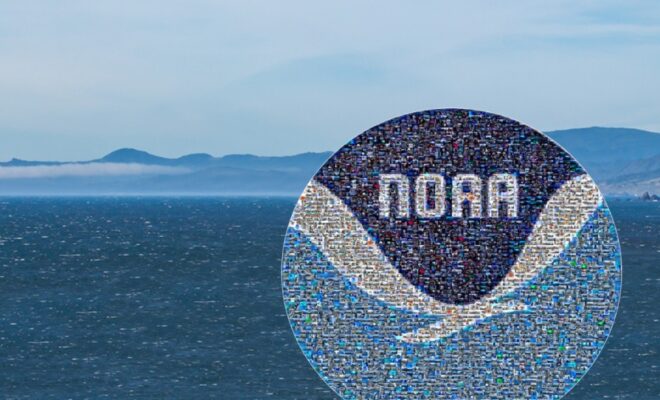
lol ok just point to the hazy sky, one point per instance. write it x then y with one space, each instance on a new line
81 78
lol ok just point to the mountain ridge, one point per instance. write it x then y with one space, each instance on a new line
623 161
132 155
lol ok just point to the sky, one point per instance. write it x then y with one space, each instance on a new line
79 79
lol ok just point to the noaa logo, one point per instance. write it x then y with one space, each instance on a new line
451 254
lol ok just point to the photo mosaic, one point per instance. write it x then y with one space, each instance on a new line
451 254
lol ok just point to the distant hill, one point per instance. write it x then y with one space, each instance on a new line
623 162
597 144
131 171
135 156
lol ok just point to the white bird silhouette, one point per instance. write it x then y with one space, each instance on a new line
332 227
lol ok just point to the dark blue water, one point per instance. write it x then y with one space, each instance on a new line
180 298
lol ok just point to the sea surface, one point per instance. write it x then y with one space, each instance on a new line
179 298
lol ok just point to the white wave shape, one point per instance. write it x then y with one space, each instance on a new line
87 169
332 227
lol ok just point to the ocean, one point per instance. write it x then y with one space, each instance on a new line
180 298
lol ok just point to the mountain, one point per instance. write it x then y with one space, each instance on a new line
597 144
134 156
637 177
623 162
131 171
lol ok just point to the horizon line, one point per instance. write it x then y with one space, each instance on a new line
548 132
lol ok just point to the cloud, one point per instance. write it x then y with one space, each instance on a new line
88 169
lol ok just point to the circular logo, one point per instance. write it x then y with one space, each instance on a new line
451 254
